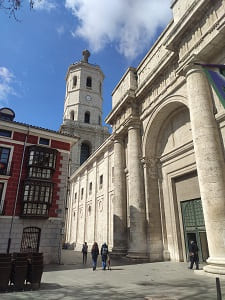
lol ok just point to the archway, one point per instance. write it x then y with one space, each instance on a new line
169 154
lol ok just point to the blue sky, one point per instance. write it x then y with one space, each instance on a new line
36 51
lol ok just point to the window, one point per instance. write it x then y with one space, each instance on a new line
82 193
37 197
90 188
41 163
30 239
72 115
100 87
40 173
100 181
74 81
87 117
89 82
5 133
1 196
84 153
75 197
42 157
99 120
4 160
43 141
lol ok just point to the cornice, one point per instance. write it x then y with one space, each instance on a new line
83 65
126 101
194 12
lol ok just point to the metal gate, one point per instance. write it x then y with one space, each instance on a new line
194 227
30 239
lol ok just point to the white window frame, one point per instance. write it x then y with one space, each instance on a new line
41 137
2 200
10 157
6 137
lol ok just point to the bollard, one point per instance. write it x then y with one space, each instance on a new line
218 289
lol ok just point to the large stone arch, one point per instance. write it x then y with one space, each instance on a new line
167 137
160 114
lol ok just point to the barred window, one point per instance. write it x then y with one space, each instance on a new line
37 197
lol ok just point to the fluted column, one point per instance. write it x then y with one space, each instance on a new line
137 242
210 165
119 203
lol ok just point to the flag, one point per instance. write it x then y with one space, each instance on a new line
216 76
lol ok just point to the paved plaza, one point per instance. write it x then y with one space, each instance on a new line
126 280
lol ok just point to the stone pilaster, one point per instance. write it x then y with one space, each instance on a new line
120 202
210 165
153 214
137 242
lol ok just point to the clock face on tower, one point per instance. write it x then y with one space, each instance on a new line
88 97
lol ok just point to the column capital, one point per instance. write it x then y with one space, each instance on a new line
191 65
152 164
118 138
134 124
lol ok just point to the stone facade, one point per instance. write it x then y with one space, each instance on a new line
167 150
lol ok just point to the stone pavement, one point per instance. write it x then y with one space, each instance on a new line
163 280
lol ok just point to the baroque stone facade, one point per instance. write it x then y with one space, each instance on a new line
159 180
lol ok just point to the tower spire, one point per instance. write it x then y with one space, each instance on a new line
86 54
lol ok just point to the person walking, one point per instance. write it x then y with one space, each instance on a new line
193 252
84 251
104 254
94 255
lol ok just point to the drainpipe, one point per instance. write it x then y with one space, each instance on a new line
17 190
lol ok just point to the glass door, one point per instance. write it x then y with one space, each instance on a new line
194 227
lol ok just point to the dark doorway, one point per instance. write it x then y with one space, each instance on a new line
194 227
30 239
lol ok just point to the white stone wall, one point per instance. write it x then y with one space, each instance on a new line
91 215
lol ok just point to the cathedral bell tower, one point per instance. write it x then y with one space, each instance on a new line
83 109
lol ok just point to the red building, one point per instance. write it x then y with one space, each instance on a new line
33 187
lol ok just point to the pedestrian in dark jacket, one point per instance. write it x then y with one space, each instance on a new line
84 251
94 254
193 252
104 254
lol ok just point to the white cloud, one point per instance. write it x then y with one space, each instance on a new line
6 81
131 24
45 5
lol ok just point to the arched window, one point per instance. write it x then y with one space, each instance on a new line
87 117
72 115
85 152
89 82
74 81
99 120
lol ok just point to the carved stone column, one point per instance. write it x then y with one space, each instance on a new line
137 242
210 165
120 202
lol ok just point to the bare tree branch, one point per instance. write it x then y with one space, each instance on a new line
12 6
